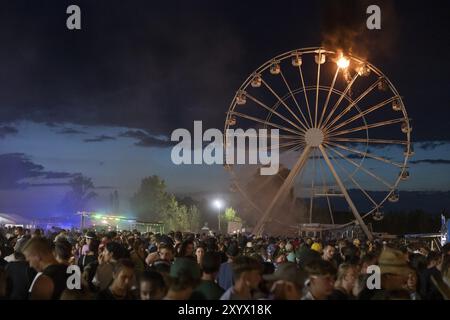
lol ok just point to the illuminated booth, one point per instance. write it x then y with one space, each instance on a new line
111 222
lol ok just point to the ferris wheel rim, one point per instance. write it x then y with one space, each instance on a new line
373 68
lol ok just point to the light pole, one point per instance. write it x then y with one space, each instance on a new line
218 204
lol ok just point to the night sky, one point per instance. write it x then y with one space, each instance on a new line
103 101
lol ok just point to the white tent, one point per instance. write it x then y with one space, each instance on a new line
9 218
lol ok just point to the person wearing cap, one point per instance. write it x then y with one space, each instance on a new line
185 276
394 270
247 276
290 254
287 282
249 250
316 246
225 275
88 236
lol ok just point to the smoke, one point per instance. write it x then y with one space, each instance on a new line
343 27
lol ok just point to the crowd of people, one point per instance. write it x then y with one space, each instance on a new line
129 265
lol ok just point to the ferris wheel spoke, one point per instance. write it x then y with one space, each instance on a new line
289 136
279 146
283 189
362 114
317 90
311 200
281 100
346 195
328 96
243 115
369 126
295 101
352 104
343 94
350 175
276 113
322 170
375 141
373 175
366 154
304 93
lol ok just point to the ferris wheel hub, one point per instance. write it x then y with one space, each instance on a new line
314 137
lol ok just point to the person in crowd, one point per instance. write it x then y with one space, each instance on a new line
178 237
328 253
287 283
3 285
21 238
200 253
165 252
186 248
90 256
247 276
151 286
51 277
369 259
321 278
412 285
89 236
63 251
394 270
19 277
185 276
138 255
208 287
120 288
347 275
104 274
429 291
225 275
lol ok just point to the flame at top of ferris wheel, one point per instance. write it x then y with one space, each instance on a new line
343 62
340 121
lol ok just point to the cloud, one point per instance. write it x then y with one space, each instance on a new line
70 131
431 161
99 138
145 139
431 145
18 167
56 184
7 130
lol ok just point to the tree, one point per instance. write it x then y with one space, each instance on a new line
231 215
79 195
153 202
151 199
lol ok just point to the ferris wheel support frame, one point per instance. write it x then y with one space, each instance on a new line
259 228
346 195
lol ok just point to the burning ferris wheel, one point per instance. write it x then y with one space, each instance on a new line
344 134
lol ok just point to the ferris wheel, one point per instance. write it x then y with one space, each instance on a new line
344 134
